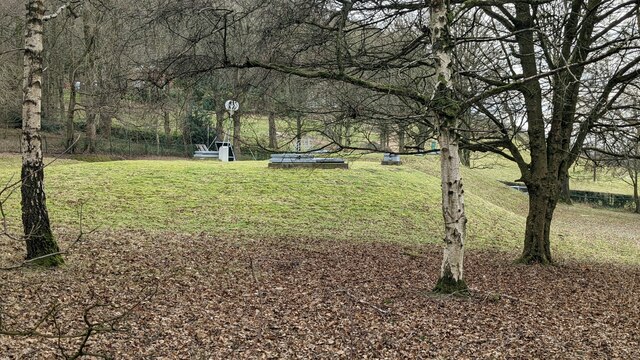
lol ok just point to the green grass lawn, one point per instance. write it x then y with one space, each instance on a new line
368 202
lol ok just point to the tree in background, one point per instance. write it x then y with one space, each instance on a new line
619 150
629 163
11 62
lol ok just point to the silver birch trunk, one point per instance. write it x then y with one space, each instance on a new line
35 219
447 118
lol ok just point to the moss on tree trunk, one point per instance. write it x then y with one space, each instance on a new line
447 284
35 218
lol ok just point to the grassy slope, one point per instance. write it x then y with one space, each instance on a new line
368 202
579 230
255 128
581 178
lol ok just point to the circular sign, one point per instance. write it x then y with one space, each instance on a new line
231 106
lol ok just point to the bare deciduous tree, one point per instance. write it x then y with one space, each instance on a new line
568 63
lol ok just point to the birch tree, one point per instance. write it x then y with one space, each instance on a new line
447 113
35 218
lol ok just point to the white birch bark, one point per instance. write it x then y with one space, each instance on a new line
32 84
35 219
446 111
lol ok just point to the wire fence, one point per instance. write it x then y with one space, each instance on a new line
601 199
54 144
132 147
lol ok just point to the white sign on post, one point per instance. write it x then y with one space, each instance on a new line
231 106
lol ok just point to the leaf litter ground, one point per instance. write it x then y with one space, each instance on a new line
203 297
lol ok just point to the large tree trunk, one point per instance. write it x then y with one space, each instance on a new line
273 141
35 218
451 273
541 174
536 239
565 190
447 112
401 140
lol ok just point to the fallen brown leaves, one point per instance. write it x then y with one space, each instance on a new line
300 298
